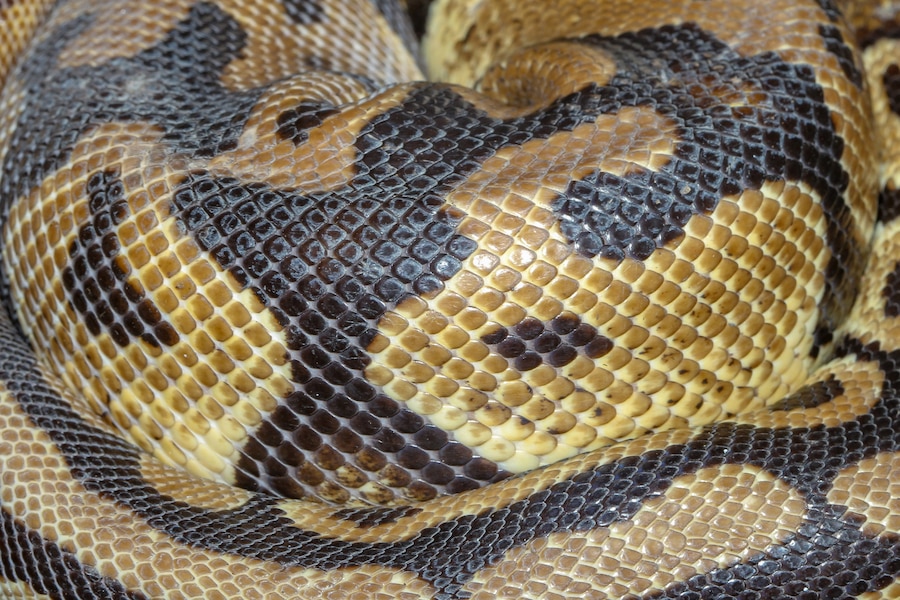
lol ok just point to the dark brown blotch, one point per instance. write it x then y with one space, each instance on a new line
891 292
97 287
834 43
373 517
812 395
328 458
50 570
304 12
891 79
294 124
888 204
531 343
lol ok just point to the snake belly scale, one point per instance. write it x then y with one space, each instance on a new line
608 308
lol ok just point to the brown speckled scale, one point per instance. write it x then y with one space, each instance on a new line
609 307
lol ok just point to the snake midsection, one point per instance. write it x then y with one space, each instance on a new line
619 301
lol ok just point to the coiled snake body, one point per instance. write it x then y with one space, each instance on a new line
612 313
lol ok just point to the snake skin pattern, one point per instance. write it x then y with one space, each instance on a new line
609 308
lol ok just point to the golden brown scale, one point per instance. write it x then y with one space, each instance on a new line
729 352
690 424
20 20
197 405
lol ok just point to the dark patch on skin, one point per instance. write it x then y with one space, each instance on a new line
832 11
884 30
811 396
328 267
834 43
822 337
304 12
724 147
830 557
888 204
98 288
726 142
450 553
418 14
891 79
368 517
891 293
532 343
29 558
294 124
174 85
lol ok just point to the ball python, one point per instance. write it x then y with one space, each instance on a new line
606 307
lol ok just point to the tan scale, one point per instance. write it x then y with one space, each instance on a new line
722 319
711 518
271 31
871 490
868 321
191 490
862 383
20 21
16 590
531 76
261 156
742 511
110 539
194 405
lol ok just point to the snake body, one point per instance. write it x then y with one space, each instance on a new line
609 308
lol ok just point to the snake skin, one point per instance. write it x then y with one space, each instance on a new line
608 308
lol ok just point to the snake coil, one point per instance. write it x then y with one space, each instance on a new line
609 308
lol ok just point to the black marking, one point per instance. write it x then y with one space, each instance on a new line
884 30
832 11
449 554
294 124
328 267
888 204
174 85
97 286
829 557
811 396
304 12
891 293
418 14
725 145
368 517
532 343
834 43
822 337
891 79
30 558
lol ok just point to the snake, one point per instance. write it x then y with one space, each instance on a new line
527 299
